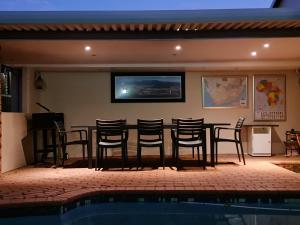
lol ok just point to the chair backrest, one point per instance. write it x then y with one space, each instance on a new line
191 129
174 120
59 125
110 129
240 122
60 128
150 128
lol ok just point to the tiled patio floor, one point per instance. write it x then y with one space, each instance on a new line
33 185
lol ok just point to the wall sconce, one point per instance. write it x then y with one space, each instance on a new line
39 82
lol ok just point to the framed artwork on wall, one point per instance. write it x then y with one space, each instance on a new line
224 91
148 87
269 97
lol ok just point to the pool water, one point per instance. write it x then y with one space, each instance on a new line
183 213
295 167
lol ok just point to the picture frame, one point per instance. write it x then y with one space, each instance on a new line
224 91
269 97
147 87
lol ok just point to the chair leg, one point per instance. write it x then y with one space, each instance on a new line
198 153
177 156
204 157
138 157
216 148
97 158
242 151
105 153
83 151
126 152
123 157
101 164
54 156
193 152
162 156
64 152
173 151
237 150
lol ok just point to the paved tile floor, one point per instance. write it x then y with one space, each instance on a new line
32 185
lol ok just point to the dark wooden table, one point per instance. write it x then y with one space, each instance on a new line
210 126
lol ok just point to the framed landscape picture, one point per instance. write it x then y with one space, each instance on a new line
224 92
269 97
148 87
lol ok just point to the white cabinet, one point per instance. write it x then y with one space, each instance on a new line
259 141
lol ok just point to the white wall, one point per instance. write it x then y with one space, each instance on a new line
14 129
85 96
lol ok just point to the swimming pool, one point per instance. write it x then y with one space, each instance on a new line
168 213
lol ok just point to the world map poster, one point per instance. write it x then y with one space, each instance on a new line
269 97
224 91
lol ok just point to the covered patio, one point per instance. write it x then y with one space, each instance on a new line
77 83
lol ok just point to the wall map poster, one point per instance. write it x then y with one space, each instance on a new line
269 97
224 91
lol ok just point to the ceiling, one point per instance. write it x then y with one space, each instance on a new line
284 53
210 39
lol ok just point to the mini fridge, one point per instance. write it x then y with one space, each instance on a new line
259 141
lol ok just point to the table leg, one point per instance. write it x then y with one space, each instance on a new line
35 149
212 145
53 136
90 147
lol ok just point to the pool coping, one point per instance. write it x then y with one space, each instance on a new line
71 200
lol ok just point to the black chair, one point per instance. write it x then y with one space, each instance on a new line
236 138
64 139
150 134
190 133
173 135
111 134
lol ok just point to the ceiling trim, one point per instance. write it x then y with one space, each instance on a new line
137 35
229 65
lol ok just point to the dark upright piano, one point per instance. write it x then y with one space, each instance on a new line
44 122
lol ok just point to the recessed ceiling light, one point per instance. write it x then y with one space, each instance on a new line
178 47
87 48
178 29
186 29
266 45
254 53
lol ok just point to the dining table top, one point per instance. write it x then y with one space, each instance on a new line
166 125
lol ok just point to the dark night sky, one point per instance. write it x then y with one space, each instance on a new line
69 5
